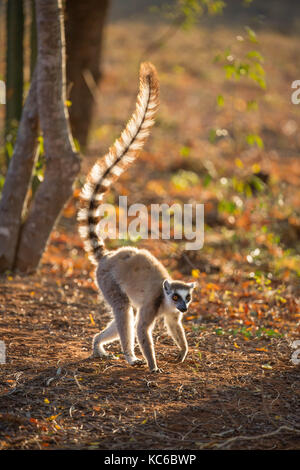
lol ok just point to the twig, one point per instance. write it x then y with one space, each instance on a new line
72 408
258 436
92 85
165 429
160 436
78 384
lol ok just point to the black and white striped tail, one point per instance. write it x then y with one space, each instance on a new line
122 153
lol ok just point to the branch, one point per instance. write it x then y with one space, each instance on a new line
258 436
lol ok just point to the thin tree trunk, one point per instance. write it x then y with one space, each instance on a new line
84 36
14 68
62 162
18 179
33 38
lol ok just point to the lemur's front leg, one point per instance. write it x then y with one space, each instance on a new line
174 326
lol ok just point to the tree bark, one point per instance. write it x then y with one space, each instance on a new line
84 36
33 38
14 68
18 179
62 161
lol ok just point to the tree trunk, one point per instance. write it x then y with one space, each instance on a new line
14 68
84 35
33 38
62 162
18 180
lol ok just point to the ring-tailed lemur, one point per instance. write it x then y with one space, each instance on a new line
130 277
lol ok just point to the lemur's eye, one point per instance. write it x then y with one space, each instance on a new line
175 297
188 298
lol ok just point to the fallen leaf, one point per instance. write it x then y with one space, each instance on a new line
51 418
195 273
213 286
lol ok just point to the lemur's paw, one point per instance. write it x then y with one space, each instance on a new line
109 356
181 356
134 361
137 362
98 355
156 370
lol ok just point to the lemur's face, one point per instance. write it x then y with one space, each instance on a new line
179 294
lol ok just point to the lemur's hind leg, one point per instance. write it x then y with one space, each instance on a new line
124 318
106 336
123 323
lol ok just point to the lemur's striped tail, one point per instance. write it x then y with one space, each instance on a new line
122 153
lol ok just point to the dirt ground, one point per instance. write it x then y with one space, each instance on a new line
229 394
238 388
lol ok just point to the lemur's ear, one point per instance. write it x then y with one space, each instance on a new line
166 286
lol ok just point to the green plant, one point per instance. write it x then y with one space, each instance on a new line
240 61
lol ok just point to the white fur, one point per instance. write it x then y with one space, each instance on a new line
96 172
117 170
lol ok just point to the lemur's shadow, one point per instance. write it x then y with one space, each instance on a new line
56 375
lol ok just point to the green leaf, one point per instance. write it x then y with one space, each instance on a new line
227 206
257 183
2 180
219 331
220 101
255 55
251 34
215 7
252 105
230 71
254 139
259 69
41 145
9 148
207 179
184 179
242 70
185 151
217 58
76 144
212 136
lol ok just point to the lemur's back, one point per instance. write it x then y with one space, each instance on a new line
134 270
